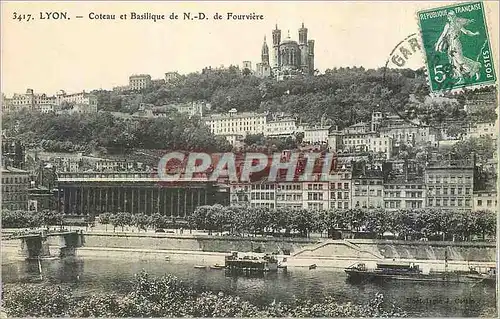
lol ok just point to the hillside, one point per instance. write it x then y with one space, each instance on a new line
341 97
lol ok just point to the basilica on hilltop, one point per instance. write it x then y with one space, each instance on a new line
289 57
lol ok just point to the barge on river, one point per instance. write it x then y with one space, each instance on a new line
489 276
405 272
251 263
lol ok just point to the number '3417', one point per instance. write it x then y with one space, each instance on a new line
22 16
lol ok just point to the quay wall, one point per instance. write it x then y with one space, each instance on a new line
403 250
299 249
195 243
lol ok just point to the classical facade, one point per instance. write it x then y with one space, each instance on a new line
93 193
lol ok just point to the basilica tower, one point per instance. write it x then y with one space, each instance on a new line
310 46
265 53
276 47
304 51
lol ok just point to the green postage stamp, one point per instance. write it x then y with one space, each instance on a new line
457 47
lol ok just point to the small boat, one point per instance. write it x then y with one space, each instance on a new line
217 267
283 264
200 267
313 266
167 258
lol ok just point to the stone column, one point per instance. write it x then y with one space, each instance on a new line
112 199
106 205
81 200
178 202
59 199
100 200
124 194
158 200
192 200
171 201
152 202
88 201
132 202
185 202
165 201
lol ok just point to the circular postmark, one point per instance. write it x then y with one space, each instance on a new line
407 54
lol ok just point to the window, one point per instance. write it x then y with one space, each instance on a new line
479 202
489 202
346 185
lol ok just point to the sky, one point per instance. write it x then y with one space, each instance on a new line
84 54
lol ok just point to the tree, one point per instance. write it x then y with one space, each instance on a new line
483 147
377 221
121 220
485 223
51 218
456 130
141 221
303 221
105 219
246 72
157 221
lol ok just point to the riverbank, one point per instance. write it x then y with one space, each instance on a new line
9 253
300 252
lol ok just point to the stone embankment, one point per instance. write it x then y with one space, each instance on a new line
299 252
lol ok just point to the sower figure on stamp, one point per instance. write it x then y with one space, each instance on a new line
449 42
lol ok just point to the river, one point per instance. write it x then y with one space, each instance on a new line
115 274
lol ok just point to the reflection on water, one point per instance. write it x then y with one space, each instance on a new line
418 299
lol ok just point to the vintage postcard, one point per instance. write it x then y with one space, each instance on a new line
249 159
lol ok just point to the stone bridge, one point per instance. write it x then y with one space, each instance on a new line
35 245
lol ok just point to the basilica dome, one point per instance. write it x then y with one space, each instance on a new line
289 41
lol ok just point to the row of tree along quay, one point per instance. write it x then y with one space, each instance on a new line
431 224
167 296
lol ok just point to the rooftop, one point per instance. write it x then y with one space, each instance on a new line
234 115
10 169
